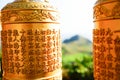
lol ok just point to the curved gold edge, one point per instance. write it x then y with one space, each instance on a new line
30 9
42 76
105 19
28 5
29 22
105 2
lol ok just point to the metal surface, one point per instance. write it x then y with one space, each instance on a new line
31 44
106 40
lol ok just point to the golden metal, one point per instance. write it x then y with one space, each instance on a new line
31 44
106 40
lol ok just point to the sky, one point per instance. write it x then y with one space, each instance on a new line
76 16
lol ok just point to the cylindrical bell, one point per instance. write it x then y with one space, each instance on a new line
106 40
31 44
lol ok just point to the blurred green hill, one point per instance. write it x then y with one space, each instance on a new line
77 59
76 44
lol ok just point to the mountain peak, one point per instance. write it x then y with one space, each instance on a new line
73 38
77 44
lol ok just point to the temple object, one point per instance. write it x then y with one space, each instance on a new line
106 40
31 43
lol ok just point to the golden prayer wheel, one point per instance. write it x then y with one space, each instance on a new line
31 44
106 40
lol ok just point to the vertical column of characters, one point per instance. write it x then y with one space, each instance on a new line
10 55
16 46
110 54
117 54
23 51
38 53
31 51
99 53
5 62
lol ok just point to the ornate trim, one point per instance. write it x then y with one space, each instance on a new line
28 5
36 15
104 1
103 12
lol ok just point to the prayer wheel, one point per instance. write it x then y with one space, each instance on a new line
106 40
31 44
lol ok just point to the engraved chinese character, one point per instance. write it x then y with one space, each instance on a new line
30 45
15 39
102 64
45 69
23 32
43 32
10 52
109 57
109 40
24 71
11 70
23 50
37 52
109 32
101 39
16 45
4 39
31 52
15 33
102 32
110 65
49 38
23 38
102 48
96 39
37 39
49 44
17 58
43 38
31 59
117 66
10 39
9 32
110 75
4 33
49 31
18 70
37 45
37 32
17 64
103 73
10 45
11 58
30 38
30 32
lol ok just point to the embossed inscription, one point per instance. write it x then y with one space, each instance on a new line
107 53
31 51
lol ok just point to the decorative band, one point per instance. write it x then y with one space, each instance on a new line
37 15
107 11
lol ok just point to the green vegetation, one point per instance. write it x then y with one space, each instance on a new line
78 67
77 59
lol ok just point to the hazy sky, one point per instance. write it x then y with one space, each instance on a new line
76 16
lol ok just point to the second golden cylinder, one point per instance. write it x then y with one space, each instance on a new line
107 40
